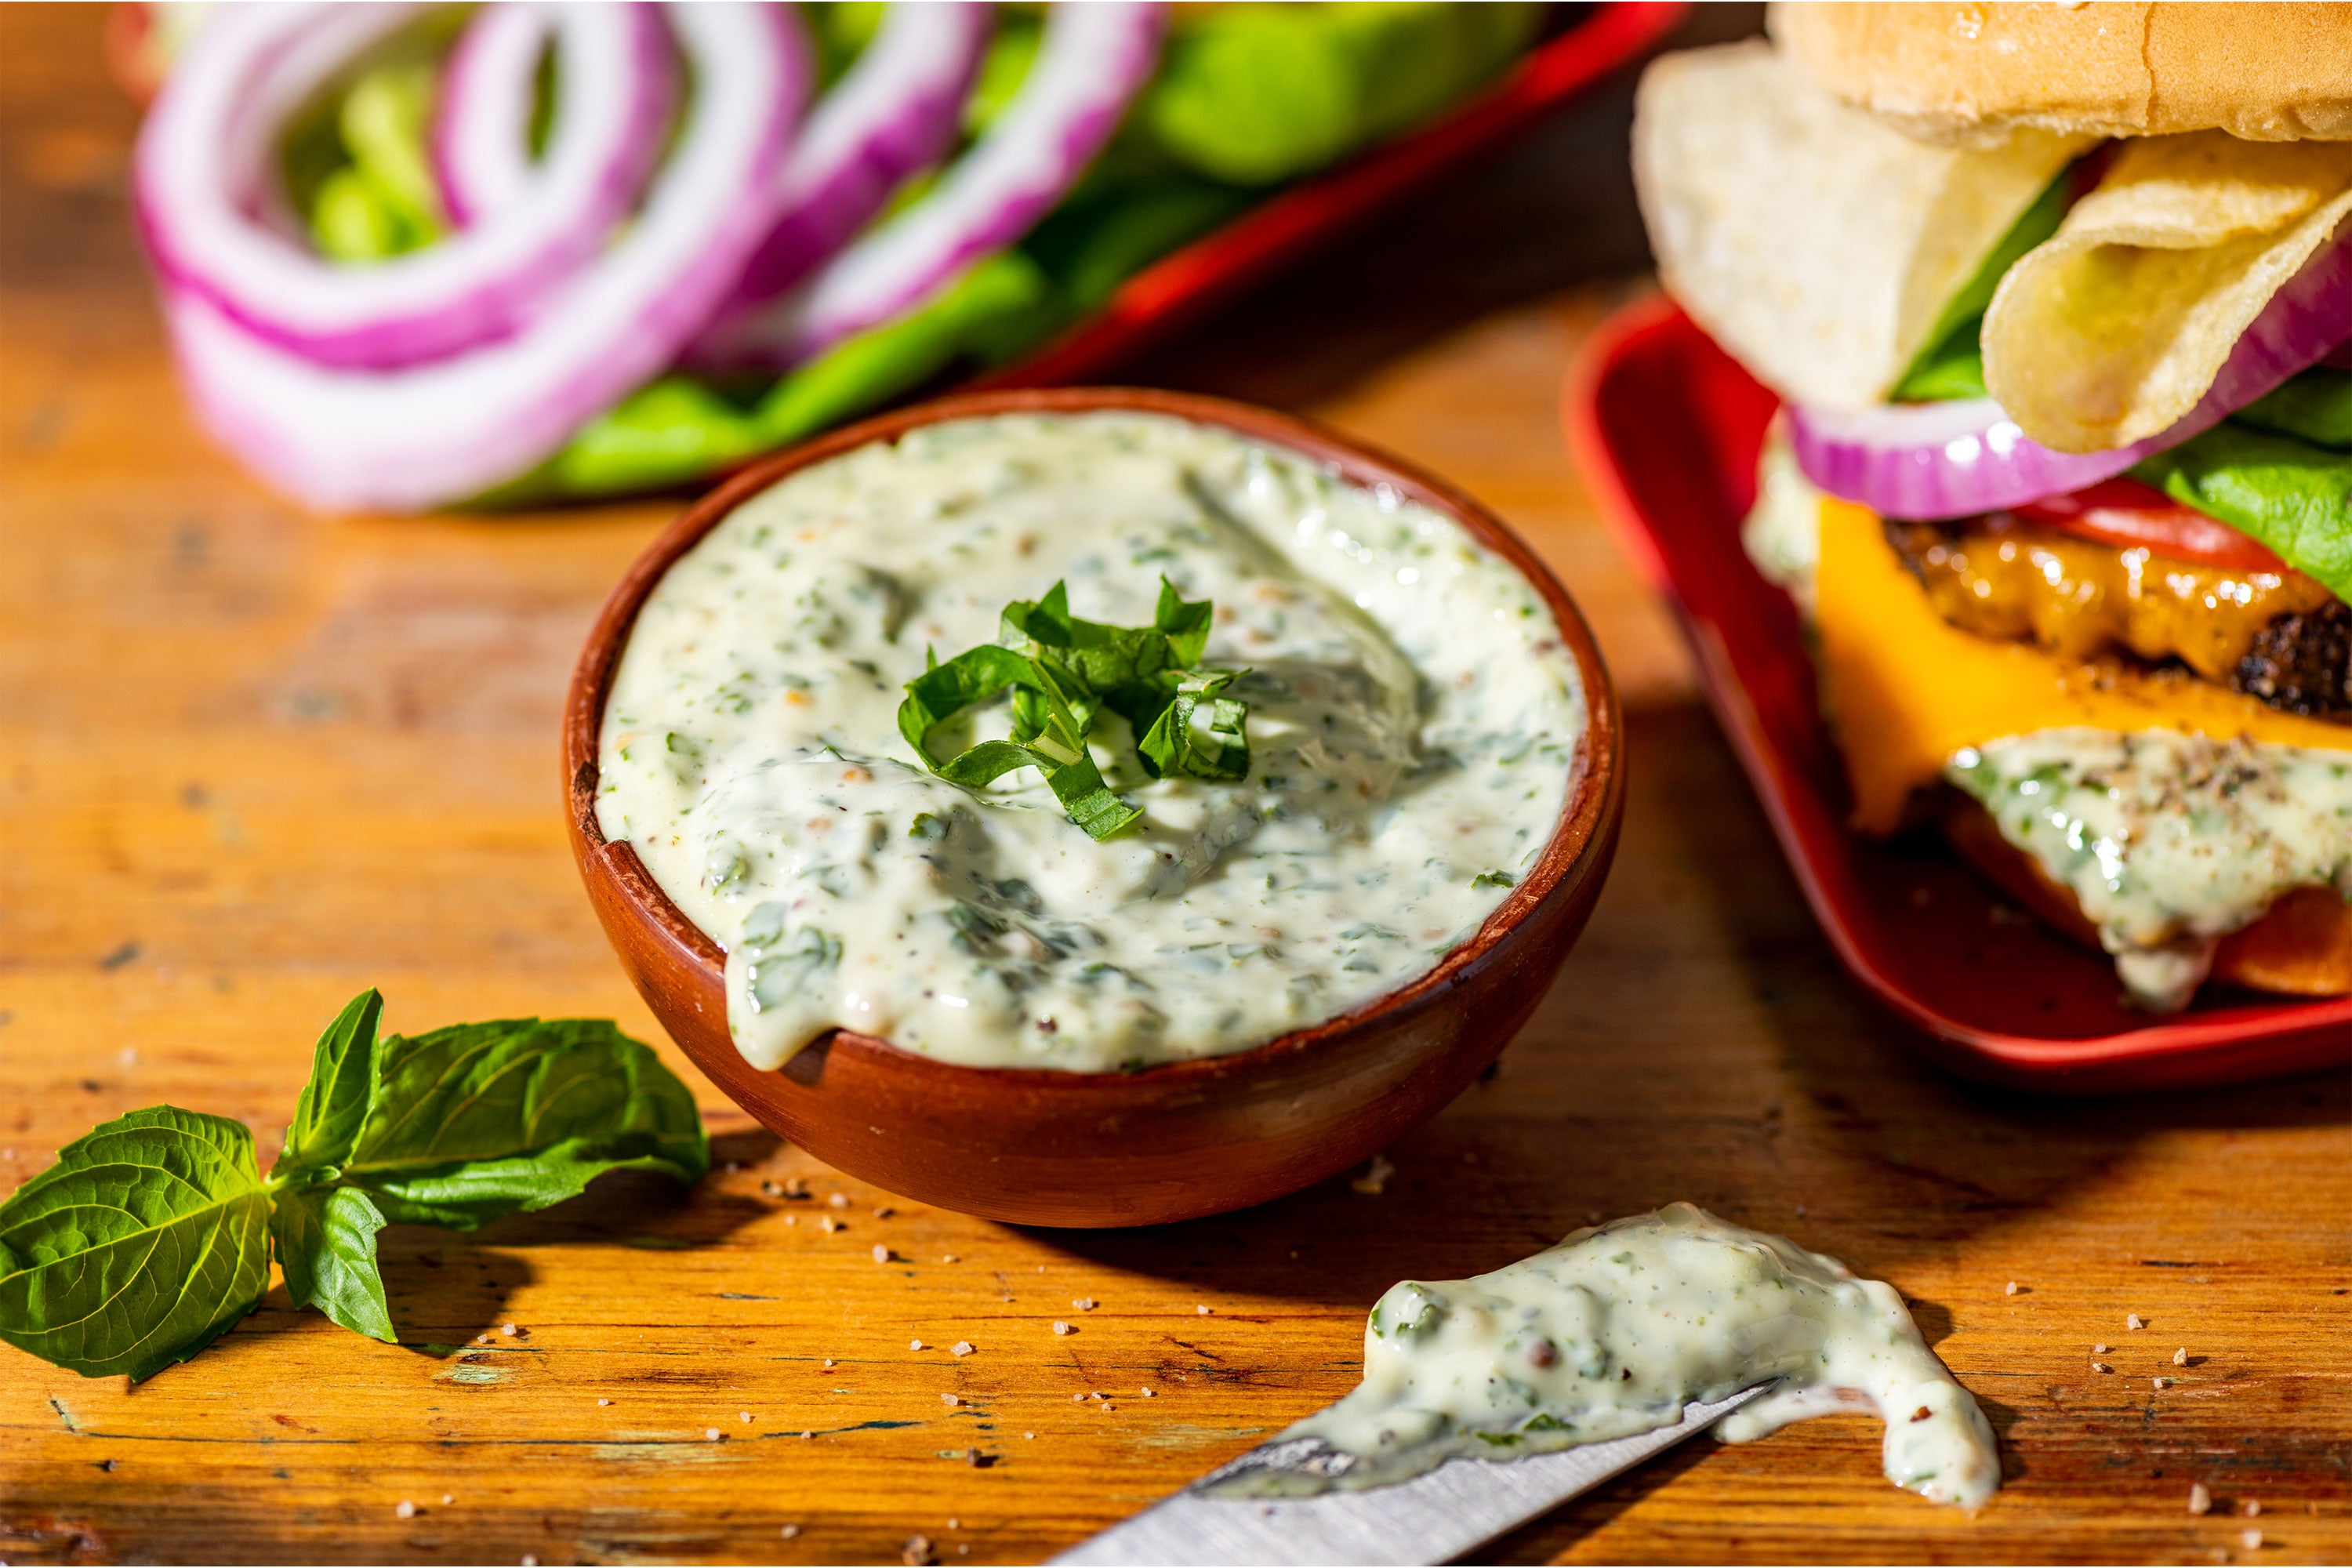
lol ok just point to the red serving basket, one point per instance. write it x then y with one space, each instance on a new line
1664 428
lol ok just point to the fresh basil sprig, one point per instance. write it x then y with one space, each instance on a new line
152 1236
1063 671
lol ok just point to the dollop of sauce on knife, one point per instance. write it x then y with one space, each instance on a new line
1612 1333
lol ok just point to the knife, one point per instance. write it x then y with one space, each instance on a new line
1433 1517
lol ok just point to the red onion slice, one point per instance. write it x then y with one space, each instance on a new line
1929 460
206 156
436 433
1094 58
481 126
898 110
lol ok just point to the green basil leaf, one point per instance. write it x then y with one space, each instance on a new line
1184 623
481 1120
2294 497
1202 733
1088 802
988 761
336 1100
326 1243
1093 656
943 690
146 1240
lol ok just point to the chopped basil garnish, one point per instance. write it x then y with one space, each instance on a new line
1062 672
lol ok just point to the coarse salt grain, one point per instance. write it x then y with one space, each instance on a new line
710 1434
446 1500
948 1399
881 1255
743 1416
509 1329
808 1434
1202 1310
950 1257
529 1561
790 1531
1061 1327
604 1402
914 1344
2098 1350
2134 1321
2252 1508
826 1223
1031 1435
828 1362
1083 1303
2100 1366
2199 1499
2180 1356
2010 1289
2161 1382
405 1508
839 1200
2252 1540
1147 1393
962 1347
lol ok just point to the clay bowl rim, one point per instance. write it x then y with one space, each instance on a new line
1595 799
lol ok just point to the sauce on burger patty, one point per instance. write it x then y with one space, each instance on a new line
2169 842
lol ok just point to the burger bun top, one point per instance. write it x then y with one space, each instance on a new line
1971 73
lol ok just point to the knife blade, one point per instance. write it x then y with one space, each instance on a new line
1434 1517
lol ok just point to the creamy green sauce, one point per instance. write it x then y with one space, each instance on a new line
1414 725
2170 841
1613 1332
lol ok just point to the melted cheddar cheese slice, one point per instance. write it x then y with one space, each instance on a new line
1904 689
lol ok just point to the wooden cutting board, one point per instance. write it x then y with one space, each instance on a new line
254 761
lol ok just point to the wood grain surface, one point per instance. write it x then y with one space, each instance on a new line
254 760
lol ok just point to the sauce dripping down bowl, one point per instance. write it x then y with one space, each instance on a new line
1167 1142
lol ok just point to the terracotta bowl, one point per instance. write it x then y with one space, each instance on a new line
1169 1143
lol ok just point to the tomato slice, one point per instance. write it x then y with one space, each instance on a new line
2129 514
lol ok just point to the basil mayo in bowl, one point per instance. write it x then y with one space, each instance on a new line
1413 732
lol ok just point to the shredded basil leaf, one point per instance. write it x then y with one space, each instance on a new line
1061 673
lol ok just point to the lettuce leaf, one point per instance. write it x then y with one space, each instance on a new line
2315 407
2294 497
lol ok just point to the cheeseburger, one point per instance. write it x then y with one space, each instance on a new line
2056 298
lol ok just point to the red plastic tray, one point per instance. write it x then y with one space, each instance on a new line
1664 428
1187 284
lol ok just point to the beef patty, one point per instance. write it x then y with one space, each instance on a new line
2278 636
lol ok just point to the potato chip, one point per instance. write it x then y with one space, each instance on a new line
1806 238
2112 331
